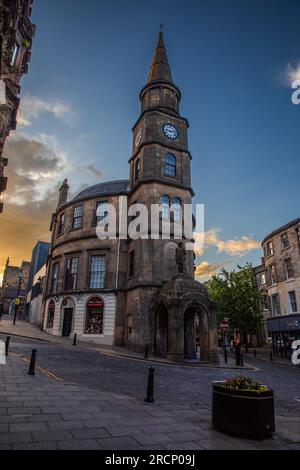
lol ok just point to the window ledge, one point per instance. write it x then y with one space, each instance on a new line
290 279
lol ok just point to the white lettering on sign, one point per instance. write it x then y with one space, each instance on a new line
296 353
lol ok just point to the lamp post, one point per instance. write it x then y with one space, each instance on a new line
17 300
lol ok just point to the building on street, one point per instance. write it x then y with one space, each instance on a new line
280 279
15 280
16 34
131 292
33 307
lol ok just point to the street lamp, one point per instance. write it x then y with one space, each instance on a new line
17 300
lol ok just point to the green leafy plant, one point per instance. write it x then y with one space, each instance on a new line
244 383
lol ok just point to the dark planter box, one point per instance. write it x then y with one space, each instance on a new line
243 412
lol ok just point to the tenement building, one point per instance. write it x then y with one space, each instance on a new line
138 292
16 33
281 277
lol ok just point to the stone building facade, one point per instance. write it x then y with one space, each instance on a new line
132 291
10 283
280 279
16 34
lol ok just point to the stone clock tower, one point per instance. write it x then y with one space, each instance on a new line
159 174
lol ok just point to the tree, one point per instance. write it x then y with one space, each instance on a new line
238 299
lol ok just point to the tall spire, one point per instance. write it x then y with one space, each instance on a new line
160 69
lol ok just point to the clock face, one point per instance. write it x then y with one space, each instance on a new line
138 137
170 131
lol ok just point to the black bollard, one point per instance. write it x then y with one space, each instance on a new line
75 339
32 362
146 352
7 345
271 356
255 352
225 355
149 398
242 360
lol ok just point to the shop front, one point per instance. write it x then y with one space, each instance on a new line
283 329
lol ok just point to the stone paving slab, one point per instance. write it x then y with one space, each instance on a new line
109 421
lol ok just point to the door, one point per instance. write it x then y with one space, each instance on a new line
67 325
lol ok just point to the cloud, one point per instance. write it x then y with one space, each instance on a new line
33 165
205 269
34 175
290 74
32 107
237 247
93 170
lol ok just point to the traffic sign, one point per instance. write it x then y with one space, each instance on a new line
224 325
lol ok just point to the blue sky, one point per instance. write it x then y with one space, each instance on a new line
230 60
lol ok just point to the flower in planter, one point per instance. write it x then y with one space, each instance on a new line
244 383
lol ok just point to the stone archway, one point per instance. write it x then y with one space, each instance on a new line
161 331
196 334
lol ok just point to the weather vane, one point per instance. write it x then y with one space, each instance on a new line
161 27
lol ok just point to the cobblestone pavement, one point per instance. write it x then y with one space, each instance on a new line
99 403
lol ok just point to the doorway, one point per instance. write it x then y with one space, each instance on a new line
67 324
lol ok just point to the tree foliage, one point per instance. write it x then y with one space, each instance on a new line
238 299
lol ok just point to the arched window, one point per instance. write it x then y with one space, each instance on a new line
94 316
170 165
176 207
51 311
165 206
137 169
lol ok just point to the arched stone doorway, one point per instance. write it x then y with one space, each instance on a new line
161 331
196 334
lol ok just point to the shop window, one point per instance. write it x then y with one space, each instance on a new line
94 316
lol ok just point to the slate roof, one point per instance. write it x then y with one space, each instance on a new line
104 189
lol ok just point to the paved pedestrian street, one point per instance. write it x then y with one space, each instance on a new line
84 398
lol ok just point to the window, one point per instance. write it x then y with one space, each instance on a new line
262 279
54 278
289 269
272 275
94 317
15 55
51 311
270 249
276 304
97 271
71 274
101 210
131 267
170 165
177 209
292 302
165 206
77 217
61 224
285 240
137 169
